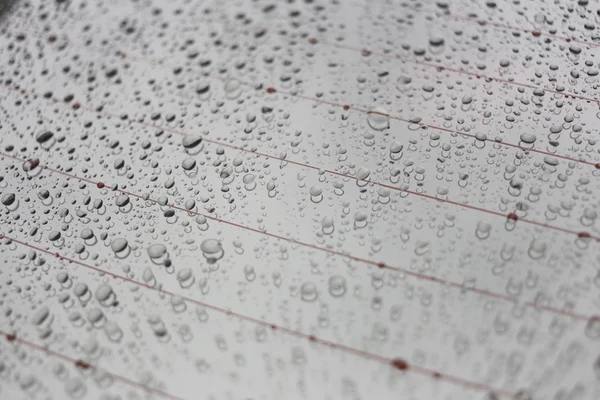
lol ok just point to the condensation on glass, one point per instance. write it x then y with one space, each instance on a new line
300 199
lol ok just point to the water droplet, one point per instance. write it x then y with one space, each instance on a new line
537 249
327 225
212 250
233 89
378 119
185 277
120 247
157 251
360 219
192 144
45 139
105 295
316 194
40 315
337 286
396 147
308 291
249 272
249 182
8 199
483 230
188 164
122 200
528 138
592 328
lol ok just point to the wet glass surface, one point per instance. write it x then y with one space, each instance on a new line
307 199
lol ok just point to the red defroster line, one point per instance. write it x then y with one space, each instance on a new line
480 21
80 363
439 128
312 338
381 265
441 68
163 62
582 235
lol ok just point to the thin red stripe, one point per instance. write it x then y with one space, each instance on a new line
162 62
426 196
79 363
361 353
442 129
441 67
413 274
488 22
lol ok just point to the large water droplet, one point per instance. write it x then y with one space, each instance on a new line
378 119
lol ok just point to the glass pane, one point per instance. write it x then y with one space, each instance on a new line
302 199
